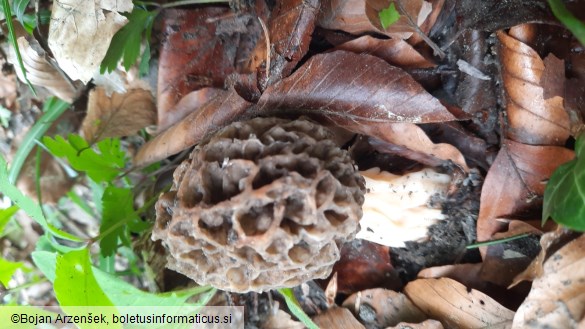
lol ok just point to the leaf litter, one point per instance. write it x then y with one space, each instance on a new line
388 88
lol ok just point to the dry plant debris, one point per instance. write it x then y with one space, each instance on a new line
263 204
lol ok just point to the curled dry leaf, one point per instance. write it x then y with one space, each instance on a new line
80 33
389 308
557 298
213 115
523 168
534 94
40 71
455 305
117 115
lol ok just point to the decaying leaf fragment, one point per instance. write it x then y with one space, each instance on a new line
117 115
557 298
455 305
80 33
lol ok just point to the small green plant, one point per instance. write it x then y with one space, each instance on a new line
564 196
389 16
66 259
568 19
295 308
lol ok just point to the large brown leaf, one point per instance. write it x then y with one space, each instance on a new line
456 306
534 94
353 88
514 184
213 115
365 95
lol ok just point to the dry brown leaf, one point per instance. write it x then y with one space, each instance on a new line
189 103
337 317
557 298
534 94
354 89
456 306
117 115
389 308
514 184
361 16
80 33
42 72
213 115
394 51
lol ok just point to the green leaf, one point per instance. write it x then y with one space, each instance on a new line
118 291
53 108
100 167
126 42
46 262
75 283
564 196
389 16
124 294
295 308
118 210
7 269
31 208
6 216
19 7
571 22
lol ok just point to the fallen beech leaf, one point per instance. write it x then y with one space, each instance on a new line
534 94
117 115
189 103
455 306
523 168
389 308
80 34
394 51
291 27
557 298
469 276
213 115
197 52
361 16
337 317
353 89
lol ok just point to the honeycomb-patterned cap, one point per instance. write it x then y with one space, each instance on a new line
262 204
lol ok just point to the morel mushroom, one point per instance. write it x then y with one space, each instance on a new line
261 204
